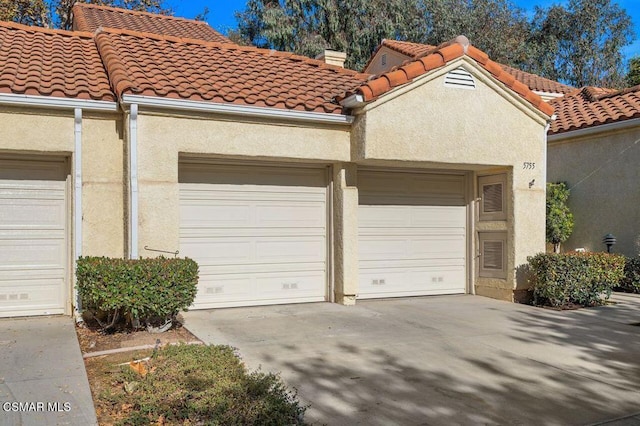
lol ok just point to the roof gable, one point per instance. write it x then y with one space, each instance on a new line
534 82
433 58
89 17
42 62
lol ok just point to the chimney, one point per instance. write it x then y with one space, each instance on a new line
332 57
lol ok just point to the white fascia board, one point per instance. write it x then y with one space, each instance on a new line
619 125
242 110
13 99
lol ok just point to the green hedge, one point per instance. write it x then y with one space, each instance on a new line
566 279
147 290
631 280
200 385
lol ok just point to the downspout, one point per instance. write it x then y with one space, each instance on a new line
77 197
133 182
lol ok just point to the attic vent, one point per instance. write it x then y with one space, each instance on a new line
383 60
459 78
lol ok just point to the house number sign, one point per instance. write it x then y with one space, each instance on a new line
528 166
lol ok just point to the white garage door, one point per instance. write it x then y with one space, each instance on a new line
412 234
33 238
259 234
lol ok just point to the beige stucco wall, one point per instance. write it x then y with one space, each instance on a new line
103 188
602 172
162 139
489 128
393 59
25 130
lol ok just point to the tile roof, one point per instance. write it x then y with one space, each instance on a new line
593 106
37 61
437 57
153 65
534 82
89 17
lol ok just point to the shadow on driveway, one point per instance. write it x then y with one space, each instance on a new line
442 360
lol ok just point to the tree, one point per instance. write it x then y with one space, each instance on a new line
582 43
27 12
307 27
559 221
633 76
497 27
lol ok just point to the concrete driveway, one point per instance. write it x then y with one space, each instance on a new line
443 360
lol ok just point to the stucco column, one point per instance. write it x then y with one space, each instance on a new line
345 231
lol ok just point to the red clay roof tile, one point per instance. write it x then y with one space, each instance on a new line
166 66
593 106
37 61
534 82
435 57
90 17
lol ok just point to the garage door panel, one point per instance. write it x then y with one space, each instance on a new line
260 241
39 295
433 247
412 234
31 254
411 281
245 289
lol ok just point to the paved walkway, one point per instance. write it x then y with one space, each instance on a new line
444 360
42 375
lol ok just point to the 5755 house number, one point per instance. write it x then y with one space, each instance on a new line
528 166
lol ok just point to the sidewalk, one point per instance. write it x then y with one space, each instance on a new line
42 375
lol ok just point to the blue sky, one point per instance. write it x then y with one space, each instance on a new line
221 13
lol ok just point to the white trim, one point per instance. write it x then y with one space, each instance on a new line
353 101
54 102
552 95
618 125
77 196
244 110
133 182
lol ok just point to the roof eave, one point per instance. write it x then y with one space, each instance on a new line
592 130
235 109
13 99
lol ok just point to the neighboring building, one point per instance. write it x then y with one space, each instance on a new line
288 180
594 146
392 53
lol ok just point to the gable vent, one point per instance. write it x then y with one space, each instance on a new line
459 78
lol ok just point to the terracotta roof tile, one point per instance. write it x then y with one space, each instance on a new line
154 65
432 58
593 106
37 61
534 82
89 17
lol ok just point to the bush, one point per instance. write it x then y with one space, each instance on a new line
574 278
631 280
150 290
197 384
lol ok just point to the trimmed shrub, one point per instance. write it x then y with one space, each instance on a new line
585 279
631 280
149 290
197 384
